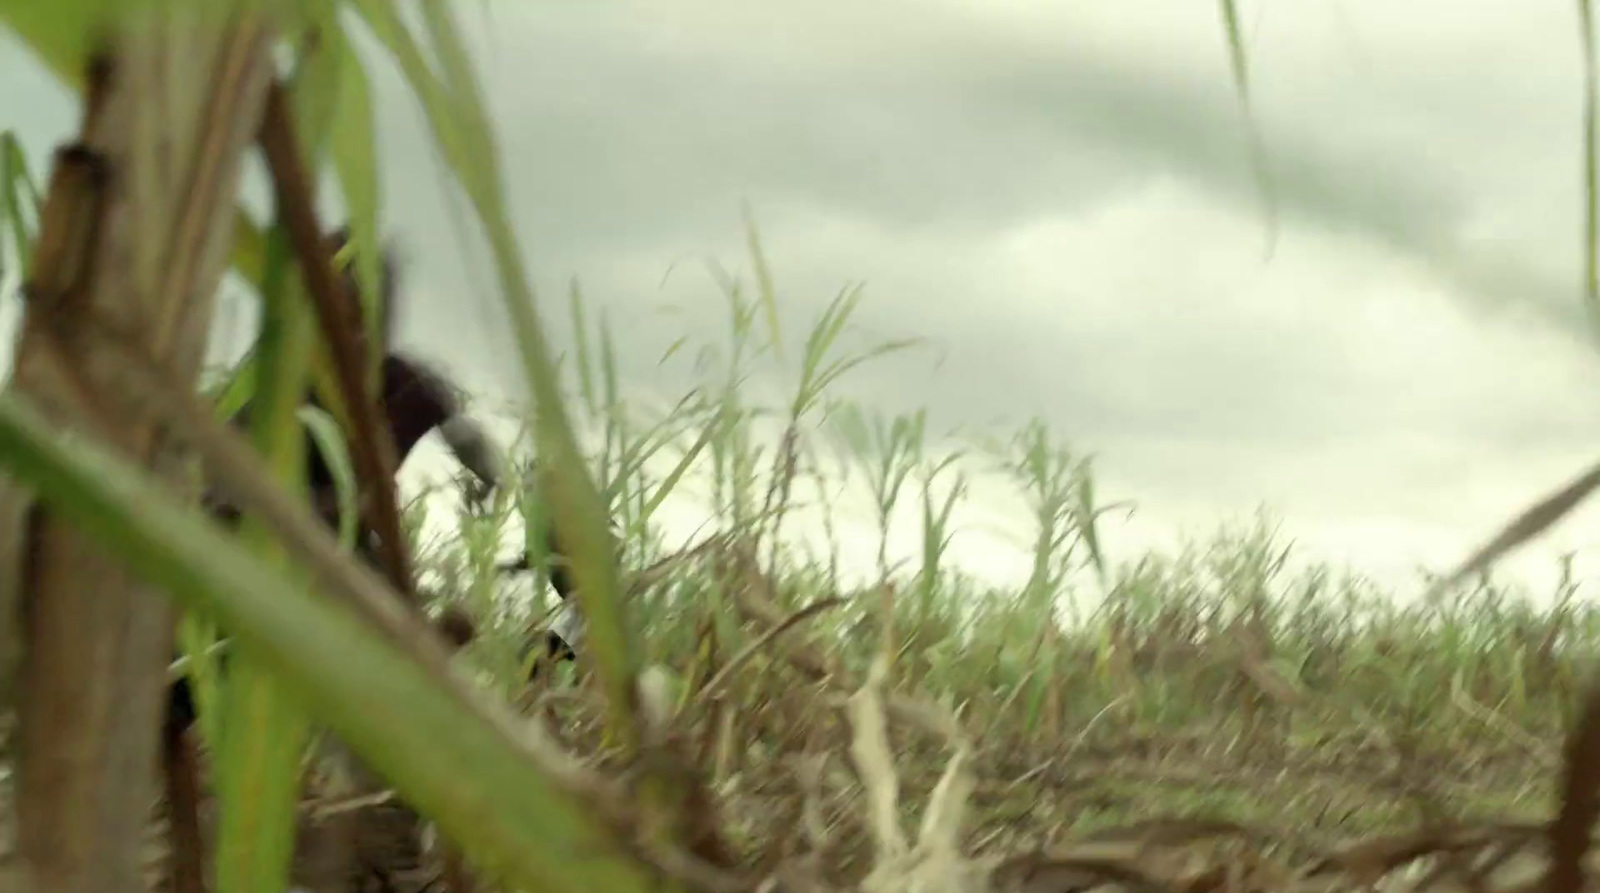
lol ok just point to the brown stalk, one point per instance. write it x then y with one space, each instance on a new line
134 236
186 841
371 446
237 469
1569 833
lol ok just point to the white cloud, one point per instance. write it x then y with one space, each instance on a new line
1059 197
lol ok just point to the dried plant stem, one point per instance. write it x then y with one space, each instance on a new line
371 446
135 236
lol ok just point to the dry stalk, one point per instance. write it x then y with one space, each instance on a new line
134 236
869 748
935 864
371 446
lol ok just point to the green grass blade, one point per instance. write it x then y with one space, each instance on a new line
19 199
675 477
237 389
1239 64
580 336
265 730
1591 164
456 117
335 453
764 287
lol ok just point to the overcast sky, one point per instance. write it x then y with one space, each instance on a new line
1059 196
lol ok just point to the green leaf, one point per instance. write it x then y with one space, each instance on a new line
264 731
335 453
674 477
19 198
237 389
1591 159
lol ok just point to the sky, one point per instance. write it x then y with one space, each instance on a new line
1060 199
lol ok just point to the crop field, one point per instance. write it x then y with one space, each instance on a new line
741 714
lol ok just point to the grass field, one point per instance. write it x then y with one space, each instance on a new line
1224 682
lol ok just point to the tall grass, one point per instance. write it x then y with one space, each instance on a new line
1229 636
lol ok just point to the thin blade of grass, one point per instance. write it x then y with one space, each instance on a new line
458 122
1591 164
336 455
764 287
263 731
19 199
1240 66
